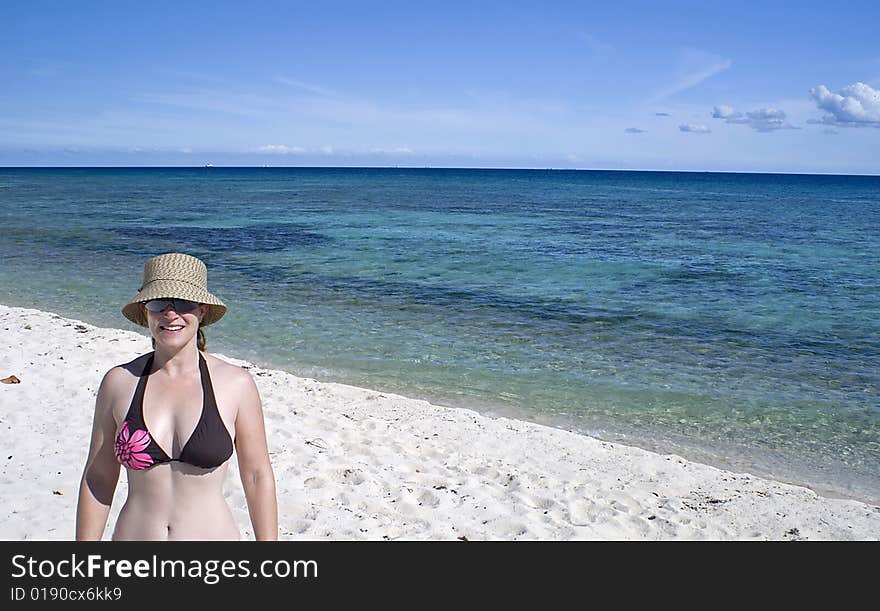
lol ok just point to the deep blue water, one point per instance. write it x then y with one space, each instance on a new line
732 318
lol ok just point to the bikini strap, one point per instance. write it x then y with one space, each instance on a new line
138 398
207 387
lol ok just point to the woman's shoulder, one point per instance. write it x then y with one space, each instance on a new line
232 381
121 378
226 370
133 368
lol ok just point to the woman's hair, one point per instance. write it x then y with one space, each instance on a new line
201 340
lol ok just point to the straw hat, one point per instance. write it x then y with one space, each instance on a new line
174 276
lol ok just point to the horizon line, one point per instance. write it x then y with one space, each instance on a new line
420 167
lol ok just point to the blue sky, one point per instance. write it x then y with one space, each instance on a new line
768 87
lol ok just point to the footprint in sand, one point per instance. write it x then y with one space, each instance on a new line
582 512
348 476
313 483
302 526
428 498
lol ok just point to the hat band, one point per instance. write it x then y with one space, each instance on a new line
198 286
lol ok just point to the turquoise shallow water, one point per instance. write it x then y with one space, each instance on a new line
732 318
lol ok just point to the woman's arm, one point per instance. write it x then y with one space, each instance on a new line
101 472
257 476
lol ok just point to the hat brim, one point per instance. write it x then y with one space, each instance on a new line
173 289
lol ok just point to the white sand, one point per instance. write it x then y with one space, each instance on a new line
352 463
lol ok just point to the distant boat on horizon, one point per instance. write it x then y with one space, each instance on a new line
209 165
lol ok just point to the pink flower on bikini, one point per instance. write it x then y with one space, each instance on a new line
130 448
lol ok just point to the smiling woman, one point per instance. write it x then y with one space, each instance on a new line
176 440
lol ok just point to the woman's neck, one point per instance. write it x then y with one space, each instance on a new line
182 362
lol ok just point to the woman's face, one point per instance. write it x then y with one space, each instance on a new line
172 329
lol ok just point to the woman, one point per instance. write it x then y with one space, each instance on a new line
171 419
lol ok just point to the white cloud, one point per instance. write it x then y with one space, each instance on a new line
857 105
725 112
392 151
280 149
694 128
766 119
283 149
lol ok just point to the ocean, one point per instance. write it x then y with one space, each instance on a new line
732 319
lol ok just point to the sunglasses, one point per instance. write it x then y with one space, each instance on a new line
181 306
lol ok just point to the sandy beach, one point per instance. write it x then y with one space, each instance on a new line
353 463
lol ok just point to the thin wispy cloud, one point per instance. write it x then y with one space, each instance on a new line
634 130
215 101
201 79
695 67
307 87
45 71
857 105
596 46
239 120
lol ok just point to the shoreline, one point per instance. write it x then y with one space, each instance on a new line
355 463
609 433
